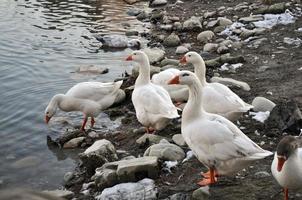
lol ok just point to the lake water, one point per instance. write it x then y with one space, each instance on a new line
41 44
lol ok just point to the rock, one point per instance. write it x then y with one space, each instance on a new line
149 139
91 69
28 161
131 1
181 50
105 178
209 14
113 41
140 130
144 189
155 54
273 9
167 27
156 15
172 40
192 24
179 196
248 33
205 36
133 11
166 151
179 140
262 174
74 143
167 61
219 29
210 47
143 15
158 2
222 50
177 26
251 18
222 21
96 155
66 194
131 33
286 117
201 193
68 176
93 134
263 104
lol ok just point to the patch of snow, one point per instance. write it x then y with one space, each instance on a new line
85 192
260 116
297 42
271 20
227 66
269 92
300 68
299 29
169 165
229 30
188 157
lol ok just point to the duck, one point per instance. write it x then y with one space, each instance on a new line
216 141
153 105
287 164
90 98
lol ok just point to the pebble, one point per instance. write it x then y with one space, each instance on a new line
68 176
263 104
192 24
205 36
179 140
158 2
210 47
149 138
155 54
223 50
209 14
172 40
74 143
222 21
262 174
181 50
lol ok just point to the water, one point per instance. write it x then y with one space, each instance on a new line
41 43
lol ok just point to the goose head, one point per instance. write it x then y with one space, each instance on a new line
285 149
191 57
138 56
51 109
184 78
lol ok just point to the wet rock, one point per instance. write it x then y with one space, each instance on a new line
262 174
143 15
113 41
263 104
149 139
273 9
251 18
222 50
166 151
155 54
192 24
133 11
205 36
100 152
131 33
156 15
179 196
68 177
158 2
105 178
222 21
286 117
201 193
179 140
74 143
167 61
92 69
144 189
172 40
66 194
181 50
210 47
131 1
28 161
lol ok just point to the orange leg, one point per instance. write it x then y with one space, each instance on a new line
150 130
92 122
207 174
84 123
210 180
285 190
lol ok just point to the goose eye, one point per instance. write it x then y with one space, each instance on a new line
189 55
134 54
185 74
47 113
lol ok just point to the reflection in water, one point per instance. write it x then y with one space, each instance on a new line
41 43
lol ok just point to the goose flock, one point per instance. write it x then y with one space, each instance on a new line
206 120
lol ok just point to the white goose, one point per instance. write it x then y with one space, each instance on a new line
287 164
216 142
152 103
88 97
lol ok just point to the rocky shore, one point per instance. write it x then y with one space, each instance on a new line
258 45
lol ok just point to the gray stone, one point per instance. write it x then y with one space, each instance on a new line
222 21
179 140
104 178
142 15
192 24
201 193
60 193
92 69
133 11
223 50
212 23
149 139
273 9
93 134
144 189
181 50
219 29
209 14
167 61
262 174
155 54
159 2
28 161
205 36
131 33
166 151
227 43
68 176
140 130
210 47
177 26
256 31
263 104
166 27
251 18
172 40
96 155
74 143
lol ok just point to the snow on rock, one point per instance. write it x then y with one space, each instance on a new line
233 67
169 165
291 41
271 20
260 116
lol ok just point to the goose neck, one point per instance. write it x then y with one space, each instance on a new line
144 73
200 71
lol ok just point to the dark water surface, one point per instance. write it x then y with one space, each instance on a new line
41 43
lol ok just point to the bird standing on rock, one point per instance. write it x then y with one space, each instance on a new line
153 105
287 164
216 142
88 97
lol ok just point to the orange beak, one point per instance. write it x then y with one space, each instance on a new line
47 119
175 80
183 60
281 161
129 58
